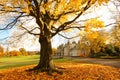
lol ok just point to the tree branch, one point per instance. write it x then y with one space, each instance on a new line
30 31
60 15
112 24
68 37
11 24
62 27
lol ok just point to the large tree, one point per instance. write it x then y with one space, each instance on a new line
51 16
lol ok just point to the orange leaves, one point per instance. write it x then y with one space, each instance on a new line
73 71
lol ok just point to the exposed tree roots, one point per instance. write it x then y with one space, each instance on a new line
56 69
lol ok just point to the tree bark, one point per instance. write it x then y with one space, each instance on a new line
46 55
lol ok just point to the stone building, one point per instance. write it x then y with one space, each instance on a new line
72 49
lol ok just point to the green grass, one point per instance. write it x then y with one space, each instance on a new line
110 57
17 61
62 60
19 58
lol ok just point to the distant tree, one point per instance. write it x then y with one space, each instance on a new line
115 35
14 53
98 44
1 49
23 51
94 39
114 41
6 51
54 50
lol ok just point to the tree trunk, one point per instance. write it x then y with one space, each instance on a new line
46 62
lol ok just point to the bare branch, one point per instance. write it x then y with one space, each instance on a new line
112 24
11 24
30 31
77 27
68 37
17 38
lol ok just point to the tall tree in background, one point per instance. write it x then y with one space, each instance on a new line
115 38
115 35
51 16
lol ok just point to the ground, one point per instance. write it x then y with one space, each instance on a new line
108 62
74 69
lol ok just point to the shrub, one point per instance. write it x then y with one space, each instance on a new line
14 53
110 50
99 54
33 52
117 49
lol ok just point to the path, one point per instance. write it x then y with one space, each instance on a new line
108 62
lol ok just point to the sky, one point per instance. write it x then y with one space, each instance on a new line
32 44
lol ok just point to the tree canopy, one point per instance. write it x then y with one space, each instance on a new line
46 12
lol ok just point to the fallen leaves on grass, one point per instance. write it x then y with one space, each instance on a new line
73 71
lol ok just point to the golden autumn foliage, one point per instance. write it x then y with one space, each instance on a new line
72 71
92 35
51 6
56 10
115 35
94 41
93 23
97 41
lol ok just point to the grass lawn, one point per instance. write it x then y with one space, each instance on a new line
74 69
17 61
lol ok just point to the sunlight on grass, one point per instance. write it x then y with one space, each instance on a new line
9 62
17 61
19 58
